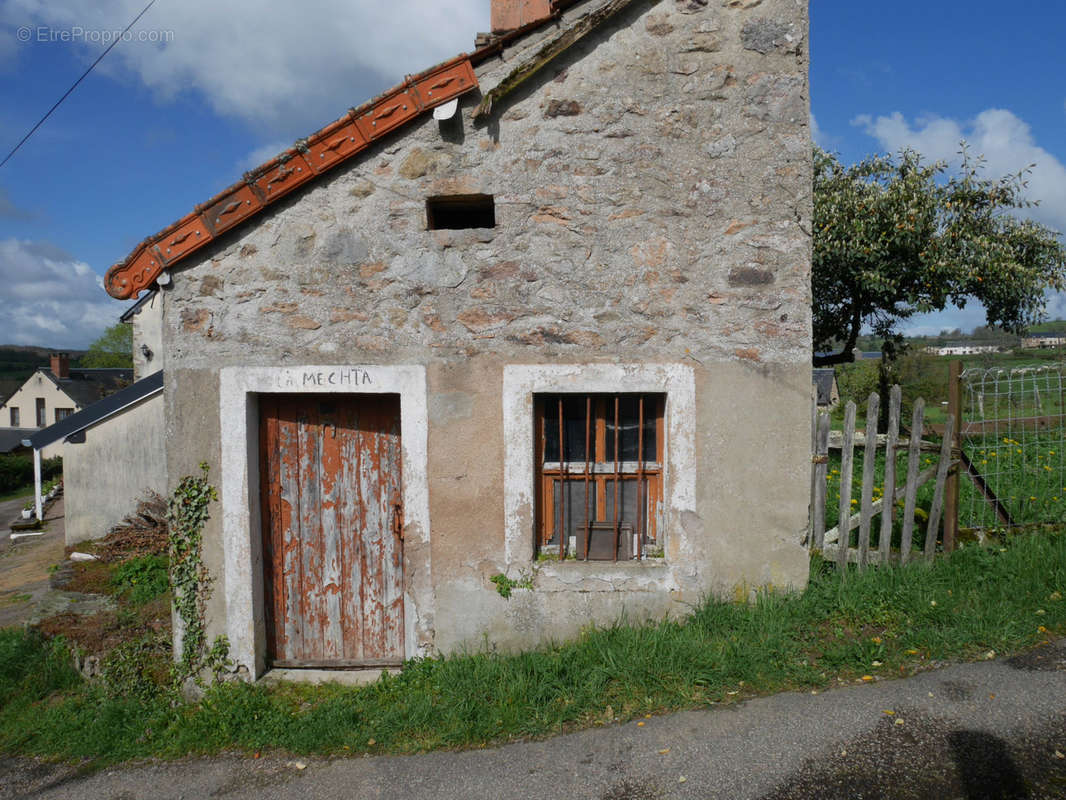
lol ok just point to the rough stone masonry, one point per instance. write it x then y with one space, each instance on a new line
652 198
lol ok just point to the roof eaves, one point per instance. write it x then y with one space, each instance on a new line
296 167
135 309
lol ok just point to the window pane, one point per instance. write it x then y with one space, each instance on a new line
575 499
575 424
627 491
628 424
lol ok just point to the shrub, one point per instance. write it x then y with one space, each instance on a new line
16 471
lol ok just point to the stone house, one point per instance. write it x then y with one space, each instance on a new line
541 312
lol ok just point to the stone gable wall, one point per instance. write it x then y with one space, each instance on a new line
652 199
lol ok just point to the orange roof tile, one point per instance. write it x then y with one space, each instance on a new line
300 164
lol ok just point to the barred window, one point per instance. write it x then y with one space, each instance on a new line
599 466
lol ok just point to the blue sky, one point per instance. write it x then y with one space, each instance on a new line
205 90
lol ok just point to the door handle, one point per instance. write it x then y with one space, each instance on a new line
397 520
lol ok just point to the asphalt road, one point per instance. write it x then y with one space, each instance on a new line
995 729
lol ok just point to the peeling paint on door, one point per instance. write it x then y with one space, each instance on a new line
332 532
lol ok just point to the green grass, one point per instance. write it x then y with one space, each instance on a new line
882 623
141 579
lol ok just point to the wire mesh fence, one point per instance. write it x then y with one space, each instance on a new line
1013 439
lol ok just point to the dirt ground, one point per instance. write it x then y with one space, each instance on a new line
24 564
26 567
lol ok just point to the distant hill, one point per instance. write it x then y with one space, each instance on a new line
18 362
1052 326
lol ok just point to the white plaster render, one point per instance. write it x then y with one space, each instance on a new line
521 382
238 390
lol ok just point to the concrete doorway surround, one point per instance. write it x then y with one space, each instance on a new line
242 513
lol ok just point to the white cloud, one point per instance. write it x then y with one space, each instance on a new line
261 155
52 299
965 319
817 135
273 63
1005 140
8 50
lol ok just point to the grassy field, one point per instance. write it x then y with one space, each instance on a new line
877 625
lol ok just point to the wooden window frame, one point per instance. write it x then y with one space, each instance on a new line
42 412
15 417
603 479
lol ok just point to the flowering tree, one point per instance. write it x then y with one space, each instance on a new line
894 237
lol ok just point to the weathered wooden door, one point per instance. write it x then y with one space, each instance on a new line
332 529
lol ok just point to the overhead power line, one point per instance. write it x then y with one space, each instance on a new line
85 74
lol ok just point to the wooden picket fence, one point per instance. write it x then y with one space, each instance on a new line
839 548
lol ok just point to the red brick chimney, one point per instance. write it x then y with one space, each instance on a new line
61 365
507 15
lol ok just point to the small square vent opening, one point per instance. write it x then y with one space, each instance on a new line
459 211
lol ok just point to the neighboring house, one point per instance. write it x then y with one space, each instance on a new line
114 449
51 395
557 329
962 349
112 453
827 393
1044 341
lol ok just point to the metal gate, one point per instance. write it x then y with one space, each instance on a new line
332 529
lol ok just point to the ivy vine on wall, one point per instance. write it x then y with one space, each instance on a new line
187 512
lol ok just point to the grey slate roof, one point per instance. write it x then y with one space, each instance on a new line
11 438
97 412
87 386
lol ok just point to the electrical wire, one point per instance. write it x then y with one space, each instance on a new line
69 91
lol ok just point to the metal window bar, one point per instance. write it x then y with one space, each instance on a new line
640 474
562 485
617 477
588 434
